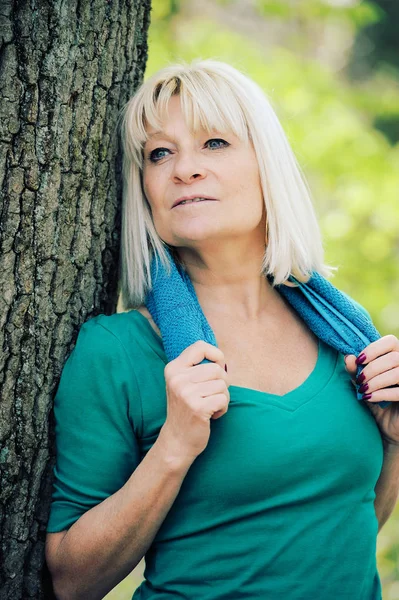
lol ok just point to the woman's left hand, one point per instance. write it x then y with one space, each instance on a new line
380 379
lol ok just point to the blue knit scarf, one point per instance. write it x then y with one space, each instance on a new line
330 314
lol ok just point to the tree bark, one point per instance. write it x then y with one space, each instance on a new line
66 67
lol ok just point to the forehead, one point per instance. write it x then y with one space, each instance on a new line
178 115
172 132
172 119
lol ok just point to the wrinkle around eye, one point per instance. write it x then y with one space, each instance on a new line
151 156
225 144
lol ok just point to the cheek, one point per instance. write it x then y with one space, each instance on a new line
147 188
155 187
249 189
153 192
245 174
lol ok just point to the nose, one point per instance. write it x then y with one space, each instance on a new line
187 169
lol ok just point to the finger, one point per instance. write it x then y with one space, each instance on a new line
219 413
195 354
387 343
379 365
207 372
380 382
223 410
216 403
376 410
350 363
390 394
212 388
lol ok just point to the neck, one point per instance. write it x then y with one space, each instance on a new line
229 281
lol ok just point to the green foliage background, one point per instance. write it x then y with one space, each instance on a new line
343 124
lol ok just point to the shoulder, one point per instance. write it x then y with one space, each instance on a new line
106 327
144 311
98 377
100 333
117 323
105 324
100 374
121 336
105 338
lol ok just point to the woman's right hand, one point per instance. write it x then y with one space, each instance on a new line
195 393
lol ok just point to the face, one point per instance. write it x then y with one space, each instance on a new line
219 168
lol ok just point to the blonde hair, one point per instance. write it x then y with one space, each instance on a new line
215 95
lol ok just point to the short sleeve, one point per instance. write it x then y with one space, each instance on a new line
96 445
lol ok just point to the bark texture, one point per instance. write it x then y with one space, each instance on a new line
66 69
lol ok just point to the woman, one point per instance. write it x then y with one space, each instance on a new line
257 474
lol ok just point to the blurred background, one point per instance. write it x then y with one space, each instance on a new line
331 71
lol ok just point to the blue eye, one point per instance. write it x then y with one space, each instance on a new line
159 153
217 140
154 155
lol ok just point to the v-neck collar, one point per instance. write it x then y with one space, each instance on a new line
312 385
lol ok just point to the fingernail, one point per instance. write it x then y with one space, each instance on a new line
363 388
225 368
361 358
361 378
367 396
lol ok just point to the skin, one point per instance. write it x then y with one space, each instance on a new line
217 164
222 245
221 242
381 370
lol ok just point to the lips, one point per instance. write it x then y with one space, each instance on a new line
184 200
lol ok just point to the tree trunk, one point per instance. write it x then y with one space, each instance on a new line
67 67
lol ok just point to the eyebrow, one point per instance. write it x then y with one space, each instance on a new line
154 136
157 134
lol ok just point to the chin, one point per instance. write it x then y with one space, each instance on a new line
196 232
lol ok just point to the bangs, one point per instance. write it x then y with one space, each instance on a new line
216 97
208 103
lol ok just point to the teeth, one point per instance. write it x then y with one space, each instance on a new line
194 200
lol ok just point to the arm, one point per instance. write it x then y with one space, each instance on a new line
108 541
387 487
380 373
107 504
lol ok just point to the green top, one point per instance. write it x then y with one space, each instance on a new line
280 503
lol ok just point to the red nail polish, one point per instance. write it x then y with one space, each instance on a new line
361 378
225 368
361 358
367 396
363 388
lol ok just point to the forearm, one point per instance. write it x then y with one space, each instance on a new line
109 540
387 487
